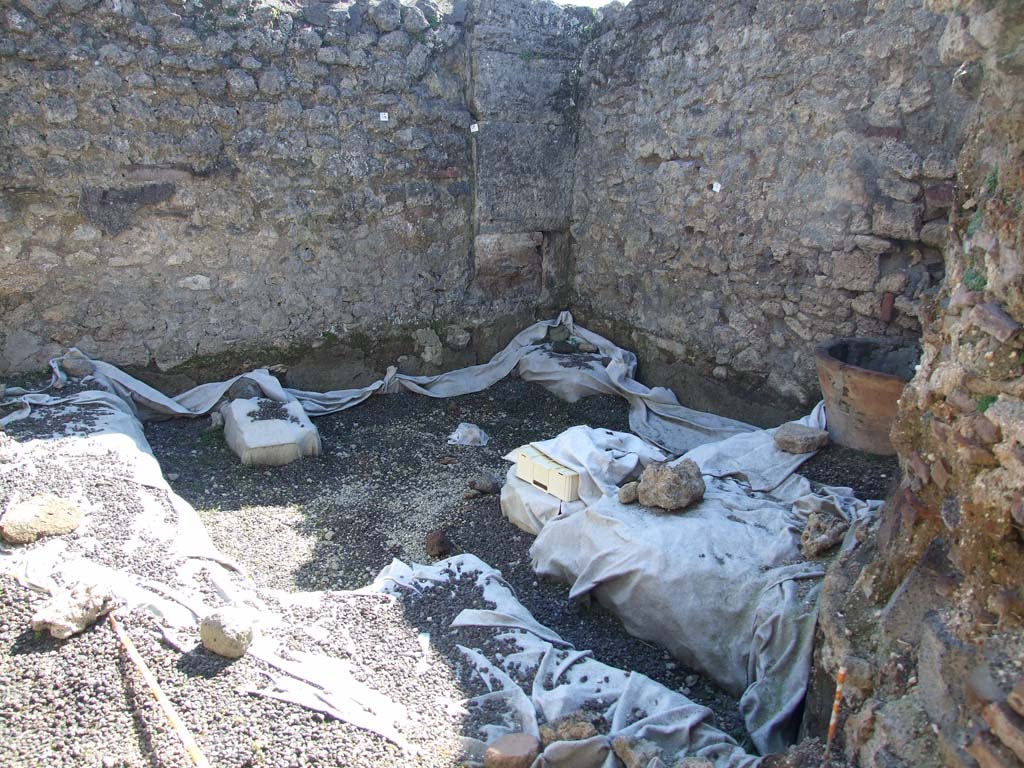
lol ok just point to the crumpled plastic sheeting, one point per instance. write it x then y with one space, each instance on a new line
654 413
721 585
564 680
468 434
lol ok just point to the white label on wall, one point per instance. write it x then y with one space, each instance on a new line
384 117
474 128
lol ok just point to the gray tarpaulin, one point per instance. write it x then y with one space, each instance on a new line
654 413
736 626
171 532
721 585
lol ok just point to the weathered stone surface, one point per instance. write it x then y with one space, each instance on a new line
735 261
266 433
38 517
822 532
72 611
514 750
629 493
635 753
855 271
935 233
793 437
992 319
233 168
932 595
485 484
438 544
508 262
898 220
228 632
671 487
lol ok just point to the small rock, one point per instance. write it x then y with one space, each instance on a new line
458 337
39 516
77 367
691 681
797 438
472 493
629 493
70 612
586 346
172 476
216 422
226 632
244 389
329 536
635 753
558 333
993 320
438 544
822 532
484 484
671 487
562 348
574 726
513 750
448 460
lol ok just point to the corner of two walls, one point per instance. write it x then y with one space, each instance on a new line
717 187
754 177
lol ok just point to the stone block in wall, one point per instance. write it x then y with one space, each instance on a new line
935 233
894 219
524 176
508 263
855 271
523 86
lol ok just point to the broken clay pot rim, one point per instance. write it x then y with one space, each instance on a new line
823 352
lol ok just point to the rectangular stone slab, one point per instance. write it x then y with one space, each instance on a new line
269 442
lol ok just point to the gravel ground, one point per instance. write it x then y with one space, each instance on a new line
870 476
387 478
381 487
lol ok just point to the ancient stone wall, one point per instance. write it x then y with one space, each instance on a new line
752 177
927 612
190 178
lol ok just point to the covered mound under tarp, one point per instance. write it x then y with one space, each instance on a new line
722 585
148 547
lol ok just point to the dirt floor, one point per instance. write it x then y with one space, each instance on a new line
382 485
386 479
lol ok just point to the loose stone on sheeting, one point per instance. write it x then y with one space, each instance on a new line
514 750
635 753
226 632
39 516
72 611
794 437
671 487
628 494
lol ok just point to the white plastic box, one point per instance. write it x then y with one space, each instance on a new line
548 475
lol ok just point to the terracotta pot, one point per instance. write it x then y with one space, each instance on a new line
861 380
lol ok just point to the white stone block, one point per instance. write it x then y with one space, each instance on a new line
269 433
